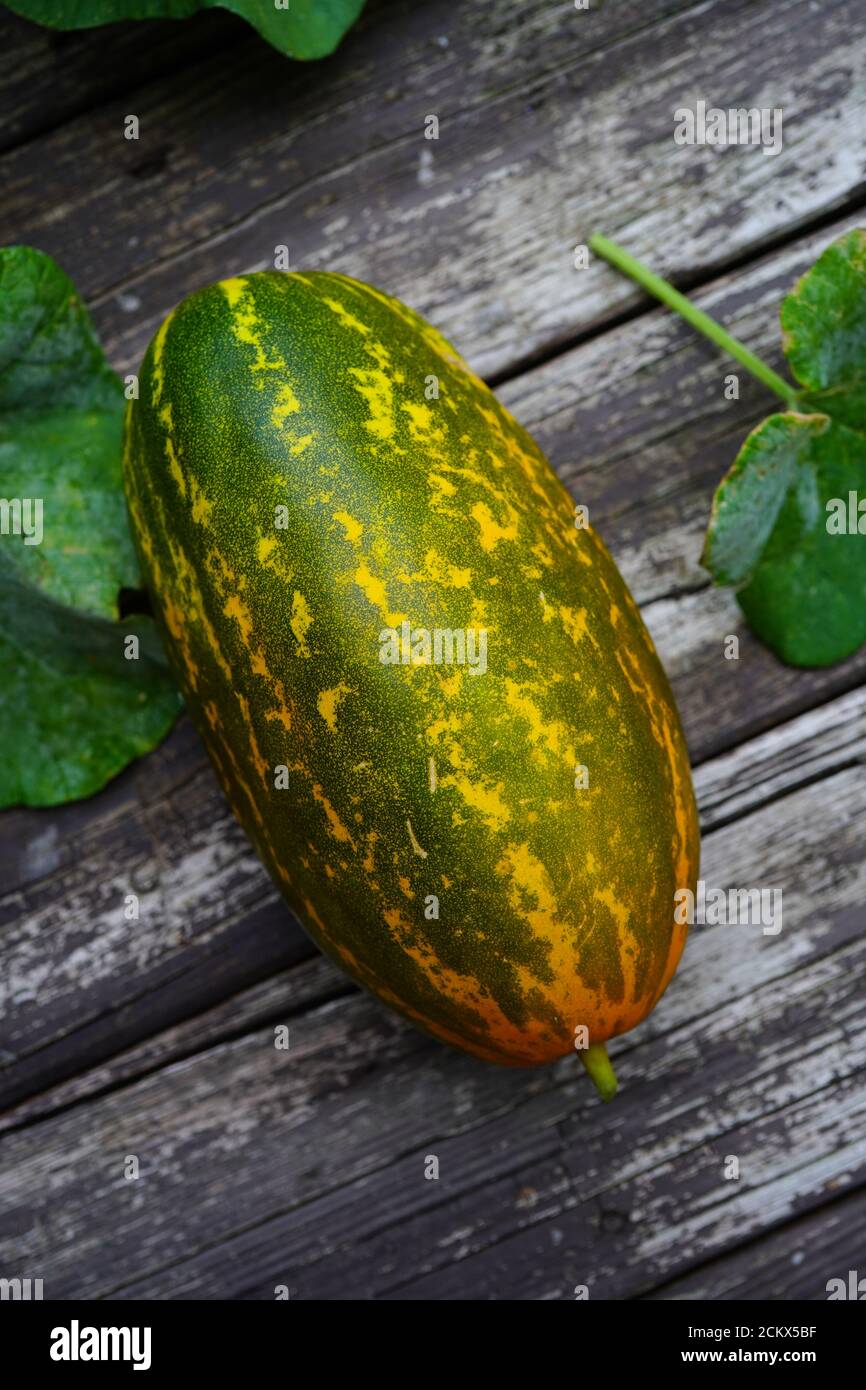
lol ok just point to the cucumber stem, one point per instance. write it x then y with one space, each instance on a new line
597 1063
621 260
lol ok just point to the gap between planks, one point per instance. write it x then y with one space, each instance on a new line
765 770
648 359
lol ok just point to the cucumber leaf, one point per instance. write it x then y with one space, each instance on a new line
301 28
803 586
788 522
78 700
786 525
824 331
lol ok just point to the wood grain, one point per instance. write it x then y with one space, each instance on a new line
155 1037
793 756
80 982
261 1166
787 1263
48 77
554 123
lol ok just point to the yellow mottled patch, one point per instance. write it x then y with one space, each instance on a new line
284 705
301 443
259 761
236 609
548 612
346 318
486 800
422 423
233 289
301 621
438 570
328 702
405 887
450 723
336 828
353 529
478 615
542 554
574 623
377 389
156 359
531 894
279 715
184 586
174 467
550 733
285 403
271 556
246 326
443 486
373 589
221 572
369 861
201 506
628 942
451 685
174 618
490 532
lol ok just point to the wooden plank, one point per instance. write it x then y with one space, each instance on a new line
477 230
84 983
774 765
791 756
49 77
666 1219
786 1264
275 1000
73 965
758 1050
246 122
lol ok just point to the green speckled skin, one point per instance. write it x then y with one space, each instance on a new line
309 465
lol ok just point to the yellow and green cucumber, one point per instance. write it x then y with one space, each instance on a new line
425 688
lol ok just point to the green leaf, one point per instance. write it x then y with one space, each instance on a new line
775 528
803 569
302 28
73 708
786 520
824 331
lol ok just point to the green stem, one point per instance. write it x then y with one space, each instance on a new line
699 320
597 1063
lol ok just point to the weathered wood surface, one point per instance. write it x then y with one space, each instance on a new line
80 981
554 123
307 1167
155 1037
788 1262
787 758
48 78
